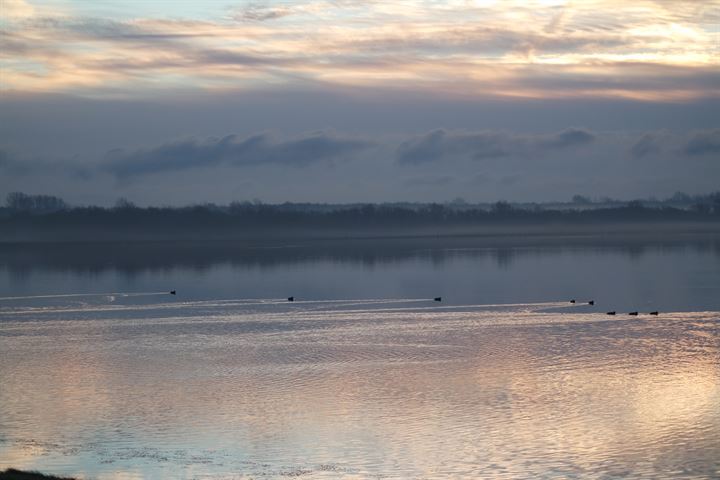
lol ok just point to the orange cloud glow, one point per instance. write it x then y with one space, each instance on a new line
646 50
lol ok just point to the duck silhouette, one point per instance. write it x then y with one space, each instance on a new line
611 313
633 313
572 301
654 313
591 302
291 299
172 292
438 299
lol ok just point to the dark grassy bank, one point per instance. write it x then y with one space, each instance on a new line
12 474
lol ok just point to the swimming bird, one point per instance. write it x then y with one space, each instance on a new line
172 292
291 299
591 302
633 313
611 313
572 301
438 299
654 313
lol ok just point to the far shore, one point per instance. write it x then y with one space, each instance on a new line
549 230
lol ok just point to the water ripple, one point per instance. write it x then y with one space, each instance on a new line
381 388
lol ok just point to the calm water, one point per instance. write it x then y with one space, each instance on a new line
105 375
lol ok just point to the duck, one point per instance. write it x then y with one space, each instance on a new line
611 313
655 313
633 313
438 299
572 301
291 299
172 292
591 302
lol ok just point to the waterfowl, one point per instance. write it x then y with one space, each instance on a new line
438 299
611 313
572 301
654 313
172 292
291 299
633 313
591 302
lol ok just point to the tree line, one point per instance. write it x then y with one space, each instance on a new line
44 210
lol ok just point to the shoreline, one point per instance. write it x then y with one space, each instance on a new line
659 230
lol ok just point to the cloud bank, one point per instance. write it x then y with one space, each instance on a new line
329 166
644 50
259 149
693 144
441 144
322 147
704 143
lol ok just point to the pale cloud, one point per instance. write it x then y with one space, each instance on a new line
14 9
645 50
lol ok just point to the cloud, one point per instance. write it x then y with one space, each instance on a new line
441 144
259 149
696 143
647 144
382 166
703 143
570 137
14 164
259 13
17 9
649 53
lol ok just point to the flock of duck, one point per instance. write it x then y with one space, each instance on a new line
439 299
613 312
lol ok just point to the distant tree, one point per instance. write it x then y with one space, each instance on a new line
35 203
701 208
581 200
18 201
680 197
123 203
502 208
49 203
715 198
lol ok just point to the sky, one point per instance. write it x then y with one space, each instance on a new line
178 102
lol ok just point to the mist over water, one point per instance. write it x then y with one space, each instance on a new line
106 375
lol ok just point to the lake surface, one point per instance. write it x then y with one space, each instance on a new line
105 375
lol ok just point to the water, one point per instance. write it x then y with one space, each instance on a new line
363 376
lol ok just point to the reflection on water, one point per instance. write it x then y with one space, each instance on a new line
620 273
225 382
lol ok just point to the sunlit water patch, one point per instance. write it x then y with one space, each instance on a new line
123 386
